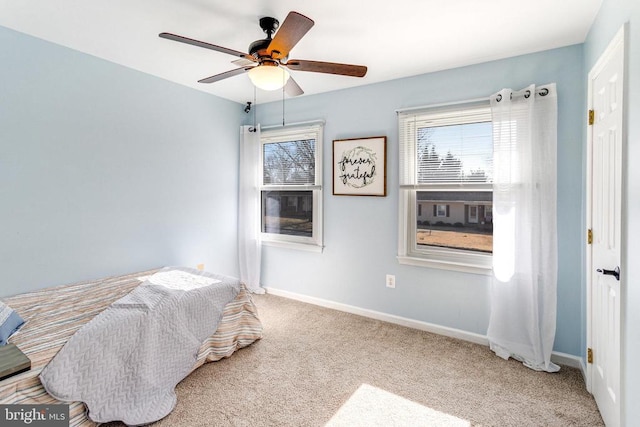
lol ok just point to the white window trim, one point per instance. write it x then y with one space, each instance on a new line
314 243
442 258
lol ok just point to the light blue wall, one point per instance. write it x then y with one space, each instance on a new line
361 232
105 170
613 14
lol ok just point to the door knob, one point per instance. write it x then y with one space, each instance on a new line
615 272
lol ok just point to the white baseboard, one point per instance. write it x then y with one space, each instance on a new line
557 357
568 360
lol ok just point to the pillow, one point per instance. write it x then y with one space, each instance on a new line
10 322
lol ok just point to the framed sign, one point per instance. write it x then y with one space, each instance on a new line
360 166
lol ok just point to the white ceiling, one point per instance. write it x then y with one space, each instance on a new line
393 39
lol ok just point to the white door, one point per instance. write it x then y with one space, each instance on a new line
606 144
473 214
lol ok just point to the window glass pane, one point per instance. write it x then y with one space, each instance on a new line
455 153
446 175
289 162
455 219
287 212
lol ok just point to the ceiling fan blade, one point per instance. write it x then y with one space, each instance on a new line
294 27
225 75
327 67
292 88
244 62
206 45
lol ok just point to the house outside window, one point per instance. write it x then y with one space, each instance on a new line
446 195
291 187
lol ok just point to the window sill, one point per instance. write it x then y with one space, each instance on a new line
446 265
309 247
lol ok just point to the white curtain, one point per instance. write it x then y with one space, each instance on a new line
522 323
249 244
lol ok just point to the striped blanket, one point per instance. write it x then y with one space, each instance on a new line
52 315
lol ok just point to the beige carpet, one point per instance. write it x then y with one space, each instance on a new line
319 367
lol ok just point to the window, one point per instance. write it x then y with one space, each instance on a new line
291 190
441 210
446 195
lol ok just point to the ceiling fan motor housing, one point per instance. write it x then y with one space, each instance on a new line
258 49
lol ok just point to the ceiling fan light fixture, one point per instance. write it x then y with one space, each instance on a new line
268 77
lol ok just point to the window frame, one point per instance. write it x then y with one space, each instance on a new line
409 252
287 134
444 211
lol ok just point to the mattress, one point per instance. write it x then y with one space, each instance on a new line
52 315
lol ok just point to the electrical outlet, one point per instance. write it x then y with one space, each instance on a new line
391 281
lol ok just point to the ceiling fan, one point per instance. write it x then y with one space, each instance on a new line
268 59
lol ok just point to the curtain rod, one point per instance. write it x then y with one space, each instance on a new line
540 90
444 104
310 122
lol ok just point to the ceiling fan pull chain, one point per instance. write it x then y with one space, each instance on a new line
254 128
